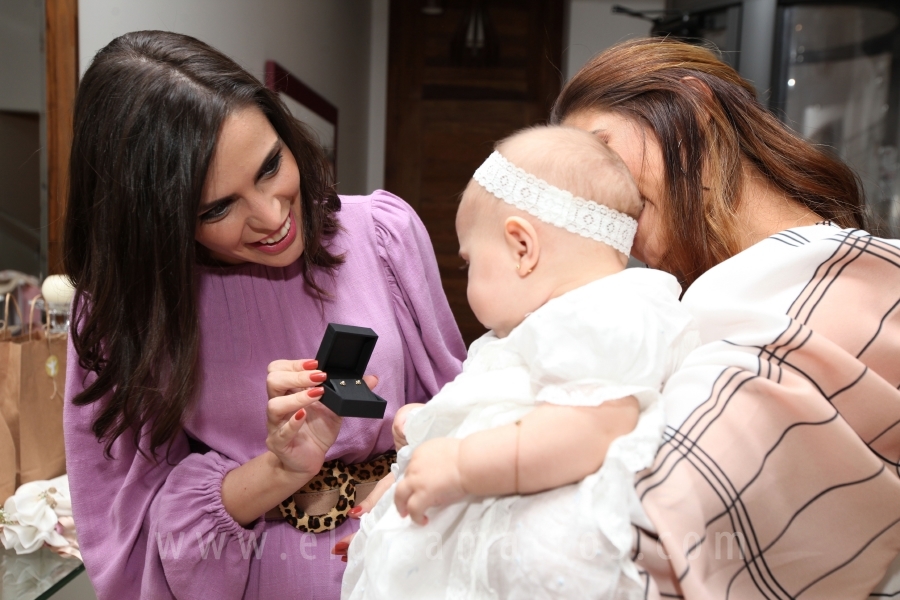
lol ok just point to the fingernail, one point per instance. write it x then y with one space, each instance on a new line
318 377
340 548
344 558
311 364
299 414
315 392
355 512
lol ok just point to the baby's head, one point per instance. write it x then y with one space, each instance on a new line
535 222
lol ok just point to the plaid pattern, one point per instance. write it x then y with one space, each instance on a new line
784 482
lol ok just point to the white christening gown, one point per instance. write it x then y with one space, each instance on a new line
619 336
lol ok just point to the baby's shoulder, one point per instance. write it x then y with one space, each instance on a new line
633 308
617 300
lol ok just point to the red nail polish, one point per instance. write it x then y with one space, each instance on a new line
340 548
344 558
299 414
318 377
311 364
355 512
315 392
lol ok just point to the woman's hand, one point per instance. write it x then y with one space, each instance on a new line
432 479
301 429
374 496
343 544
400 418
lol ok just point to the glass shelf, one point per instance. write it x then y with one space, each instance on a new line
35 576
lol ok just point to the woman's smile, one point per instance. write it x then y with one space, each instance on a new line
280 240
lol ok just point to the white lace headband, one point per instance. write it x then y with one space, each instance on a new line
552 205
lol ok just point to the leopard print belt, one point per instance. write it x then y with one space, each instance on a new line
323 503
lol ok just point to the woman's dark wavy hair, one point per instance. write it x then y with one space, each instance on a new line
147 117
706 133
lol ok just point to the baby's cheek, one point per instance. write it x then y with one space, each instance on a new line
480 304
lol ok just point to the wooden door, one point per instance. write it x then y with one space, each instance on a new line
61 41
449 100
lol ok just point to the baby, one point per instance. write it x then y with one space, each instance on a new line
518 477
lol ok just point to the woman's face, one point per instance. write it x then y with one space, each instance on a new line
641 153
250 206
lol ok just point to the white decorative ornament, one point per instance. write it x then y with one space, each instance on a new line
58 289
555 206
31 516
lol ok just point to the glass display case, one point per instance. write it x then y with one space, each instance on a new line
837 82
829 68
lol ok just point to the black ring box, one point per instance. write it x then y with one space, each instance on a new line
343 356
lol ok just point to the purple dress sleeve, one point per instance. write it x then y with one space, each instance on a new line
140 521
433 343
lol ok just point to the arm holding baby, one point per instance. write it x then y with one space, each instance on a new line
550 447
595 374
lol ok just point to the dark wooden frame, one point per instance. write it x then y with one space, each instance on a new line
279 79
61 39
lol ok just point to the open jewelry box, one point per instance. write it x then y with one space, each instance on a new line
343 355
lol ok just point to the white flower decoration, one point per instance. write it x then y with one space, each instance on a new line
31 516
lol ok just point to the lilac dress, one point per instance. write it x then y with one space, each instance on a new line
160 530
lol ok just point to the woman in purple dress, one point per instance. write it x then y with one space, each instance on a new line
208 247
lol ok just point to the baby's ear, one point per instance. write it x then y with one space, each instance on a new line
523 243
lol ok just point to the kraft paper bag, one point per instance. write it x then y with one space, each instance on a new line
32 380
7 463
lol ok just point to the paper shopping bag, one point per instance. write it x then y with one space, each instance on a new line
32 378
9 414
42 374
7 463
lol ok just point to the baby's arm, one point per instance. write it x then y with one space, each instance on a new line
556 445
551 446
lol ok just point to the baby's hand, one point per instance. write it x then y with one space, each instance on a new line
400 423
432 479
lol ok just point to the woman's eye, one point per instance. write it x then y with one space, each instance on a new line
215 213
271 167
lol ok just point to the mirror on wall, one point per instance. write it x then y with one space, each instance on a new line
23 238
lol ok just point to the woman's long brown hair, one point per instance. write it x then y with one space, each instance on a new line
707 130
147 117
